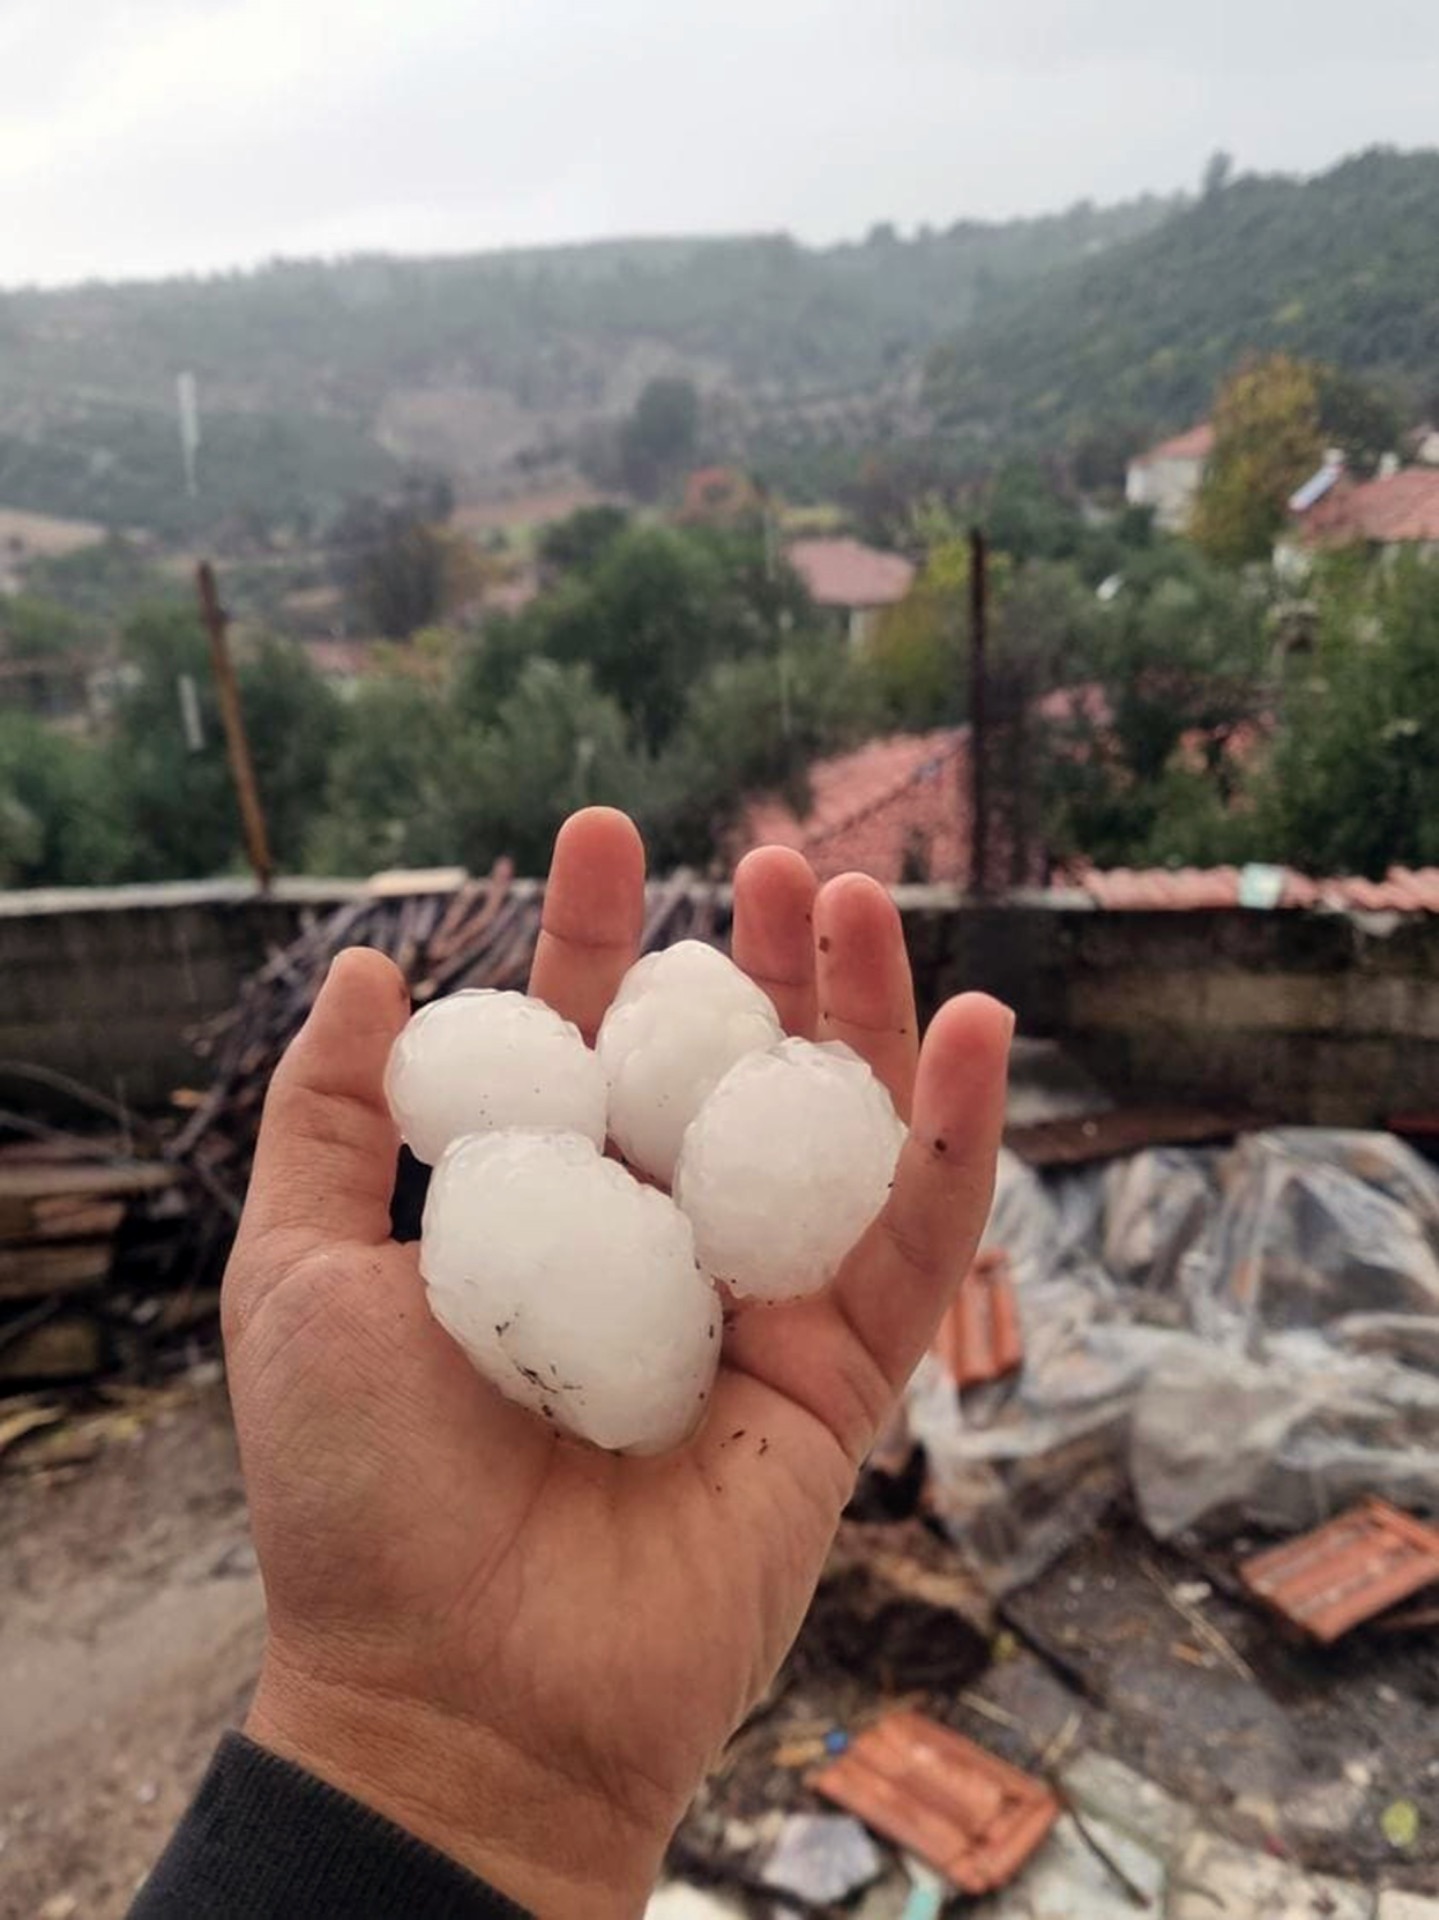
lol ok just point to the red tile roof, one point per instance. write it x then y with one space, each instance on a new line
1124 890
1392 508
900 806
846 573
907 795
1196 444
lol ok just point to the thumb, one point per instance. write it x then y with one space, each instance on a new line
325 1159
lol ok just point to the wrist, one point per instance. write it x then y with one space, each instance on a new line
558 1847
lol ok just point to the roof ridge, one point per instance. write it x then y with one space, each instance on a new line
957 735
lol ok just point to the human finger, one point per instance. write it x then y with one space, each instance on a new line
866 994
593 916
844 1355
325 1158
774 894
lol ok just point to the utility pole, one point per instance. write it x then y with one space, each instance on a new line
237 747
978 743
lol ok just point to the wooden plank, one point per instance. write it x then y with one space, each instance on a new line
23 1222
29 1273
48 1178
58 1350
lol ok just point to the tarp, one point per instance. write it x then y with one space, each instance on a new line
1239 1338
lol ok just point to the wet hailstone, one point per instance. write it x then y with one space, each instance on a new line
784 1167
681 1020
480 1062
572 1287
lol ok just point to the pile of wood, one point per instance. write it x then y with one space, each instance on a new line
90 1227
444 933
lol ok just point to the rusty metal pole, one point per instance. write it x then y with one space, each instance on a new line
237 747
978 740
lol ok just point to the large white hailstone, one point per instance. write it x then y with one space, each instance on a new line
482 1061
572 1287
681 1019
785 1165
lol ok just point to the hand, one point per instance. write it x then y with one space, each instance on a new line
523 1651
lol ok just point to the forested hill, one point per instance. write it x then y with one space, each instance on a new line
317 378
1343 267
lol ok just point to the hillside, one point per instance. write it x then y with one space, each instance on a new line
1343 267
316 379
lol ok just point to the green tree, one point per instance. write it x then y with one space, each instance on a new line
393 778
1355 778
391 561
33 628
1267 439
576 543
1170 681
556 744
658 440
753 725
172 783
1357 417
58 824
658 608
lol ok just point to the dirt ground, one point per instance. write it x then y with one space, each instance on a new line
130 1629
131 1618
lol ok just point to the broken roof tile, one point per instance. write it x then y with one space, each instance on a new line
963 1811
1341 1574
979 1337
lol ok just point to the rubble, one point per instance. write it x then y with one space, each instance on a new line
968 1814
1328 1581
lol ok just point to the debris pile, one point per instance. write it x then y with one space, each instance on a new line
88 1241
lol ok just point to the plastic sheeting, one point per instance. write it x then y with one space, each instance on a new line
1247 1337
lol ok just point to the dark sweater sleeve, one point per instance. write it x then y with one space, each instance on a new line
264 1840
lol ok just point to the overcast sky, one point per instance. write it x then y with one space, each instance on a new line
148 136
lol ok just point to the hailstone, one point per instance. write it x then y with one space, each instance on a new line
481 1061
785 1165
572 1287
681 1019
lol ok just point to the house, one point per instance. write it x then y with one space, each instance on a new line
718 496
1399 507
1166 479
898 809
853 579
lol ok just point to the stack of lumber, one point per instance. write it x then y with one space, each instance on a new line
86 1227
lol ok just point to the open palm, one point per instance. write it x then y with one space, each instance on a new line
526 1651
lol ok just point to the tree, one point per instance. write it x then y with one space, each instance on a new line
658 440
293 720
753 725
58 824
1267 440
576 543
32 628
1218 170
1356 417
556 744
174 794
392 563
1355 779
393 778
659 607
1169 682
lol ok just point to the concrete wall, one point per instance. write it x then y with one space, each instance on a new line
103 985
1329 1019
